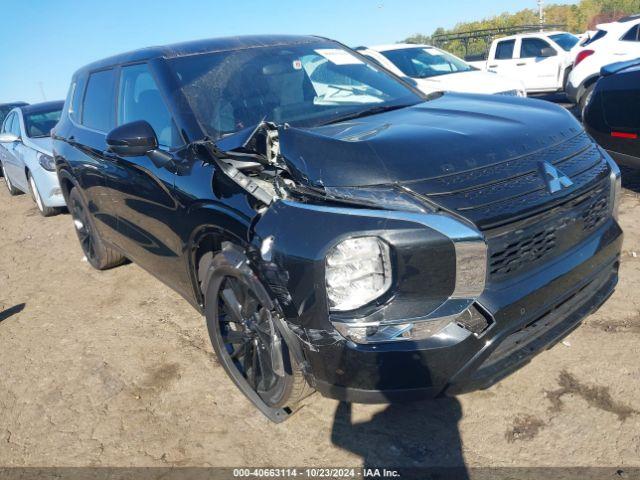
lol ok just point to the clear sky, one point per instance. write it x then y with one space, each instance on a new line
42 42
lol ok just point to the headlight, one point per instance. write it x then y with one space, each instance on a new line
47 162
358 270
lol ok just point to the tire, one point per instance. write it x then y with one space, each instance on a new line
98 254
13 191
35 195
240 320
584 100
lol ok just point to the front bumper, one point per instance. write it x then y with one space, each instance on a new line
49 187
529 314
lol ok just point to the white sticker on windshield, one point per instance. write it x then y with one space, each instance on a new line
338 56
430 51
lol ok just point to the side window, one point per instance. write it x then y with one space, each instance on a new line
632 35
98 108
139 99
15 126
6 126
504 49
532 47
75 99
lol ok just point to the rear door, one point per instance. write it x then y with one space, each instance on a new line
503 60
143 192
12 153
93 113
538 72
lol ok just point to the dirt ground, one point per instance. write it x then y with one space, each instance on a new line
115 369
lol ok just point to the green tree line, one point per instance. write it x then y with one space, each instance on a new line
577 18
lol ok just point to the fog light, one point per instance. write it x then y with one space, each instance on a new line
358 270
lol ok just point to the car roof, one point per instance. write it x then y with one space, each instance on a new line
196 47
13 104
42 107
397 46
623 24
533 34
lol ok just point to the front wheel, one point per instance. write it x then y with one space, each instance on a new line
98 254
242 324
35 195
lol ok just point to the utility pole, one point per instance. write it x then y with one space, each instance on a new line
44 97
541 14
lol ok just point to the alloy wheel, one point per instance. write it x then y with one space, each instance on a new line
83 228
35 193
248 335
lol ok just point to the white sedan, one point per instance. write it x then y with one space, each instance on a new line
26 157
434 70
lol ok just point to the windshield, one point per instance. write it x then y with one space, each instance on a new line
424 62
565 40
302 85
40 124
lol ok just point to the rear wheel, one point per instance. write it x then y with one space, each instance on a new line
98 254
12 190
35 195
242 324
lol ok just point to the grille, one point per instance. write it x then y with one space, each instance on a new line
525 244
515 189
518 254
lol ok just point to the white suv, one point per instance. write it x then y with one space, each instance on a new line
613 42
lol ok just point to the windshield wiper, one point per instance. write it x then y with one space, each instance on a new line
367 112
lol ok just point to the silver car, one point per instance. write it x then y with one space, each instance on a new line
25 154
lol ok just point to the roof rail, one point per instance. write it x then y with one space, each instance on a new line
487 35
629 18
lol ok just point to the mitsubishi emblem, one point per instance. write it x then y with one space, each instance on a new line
554 178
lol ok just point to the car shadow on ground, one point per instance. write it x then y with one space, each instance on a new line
6 313
420 435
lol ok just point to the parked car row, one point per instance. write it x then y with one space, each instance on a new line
612 43
340 229
26 157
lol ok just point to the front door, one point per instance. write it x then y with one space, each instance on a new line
539 68
143 193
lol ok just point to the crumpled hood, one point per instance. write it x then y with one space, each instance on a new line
449 134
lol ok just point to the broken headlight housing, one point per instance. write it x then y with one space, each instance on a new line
357 271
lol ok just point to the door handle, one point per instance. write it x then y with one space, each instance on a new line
493 66
520 64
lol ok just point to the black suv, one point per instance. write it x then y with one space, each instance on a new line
612 116
340 231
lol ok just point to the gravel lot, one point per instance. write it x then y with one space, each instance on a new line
115 369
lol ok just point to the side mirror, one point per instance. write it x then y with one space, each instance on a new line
132 139
548 52
8 138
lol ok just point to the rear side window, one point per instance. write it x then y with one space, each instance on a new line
504 50
98 107
599 34
139 99
632 35
6 126
532 47
15 126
